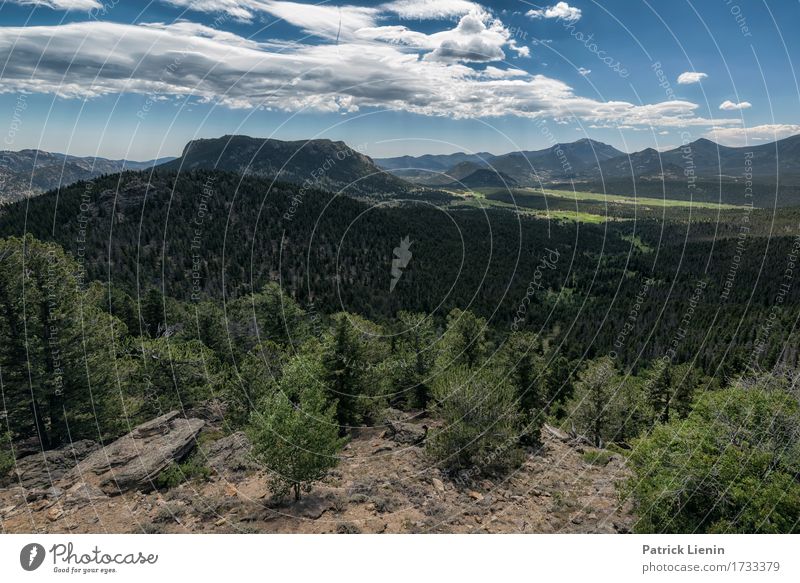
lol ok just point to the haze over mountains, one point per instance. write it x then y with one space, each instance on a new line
701 169
590 161
30 172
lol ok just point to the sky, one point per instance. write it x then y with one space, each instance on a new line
138 80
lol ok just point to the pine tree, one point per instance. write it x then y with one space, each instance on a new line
464 342
592 407
342 361
520 361
414 355
295 432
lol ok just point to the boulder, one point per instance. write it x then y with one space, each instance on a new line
82 494
212 411
229 454
136 459
41 470
406 433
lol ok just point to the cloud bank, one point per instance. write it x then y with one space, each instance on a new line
349 60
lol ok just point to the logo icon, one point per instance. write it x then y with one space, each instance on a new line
402 256
31 556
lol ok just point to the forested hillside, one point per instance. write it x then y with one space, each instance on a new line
215 235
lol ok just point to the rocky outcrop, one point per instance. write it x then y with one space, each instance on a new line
229 454
136 459
43 469
405 433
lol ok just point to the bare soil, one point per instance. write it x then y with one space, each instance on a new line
379 486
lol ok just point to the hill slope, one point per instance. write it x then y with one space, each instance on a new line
30 172
312 163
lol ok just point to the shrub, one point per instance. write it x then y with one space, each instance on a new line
298 442
185 471
482 425
6 455
597 457
731 466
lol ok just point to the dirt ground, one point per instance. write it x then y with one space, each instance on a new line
379 486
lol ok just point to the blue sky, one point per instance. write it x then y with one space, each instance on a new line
139 79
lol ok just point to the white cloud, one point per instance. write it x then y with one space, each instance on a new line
430 9
690 77
90 59
561 11
324 20
495 73
728 105
583 71
82 5
327 14
742 136
478 37
472 40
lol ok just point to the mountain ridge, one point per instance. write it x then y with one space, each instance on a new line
30 172
592 162
321 163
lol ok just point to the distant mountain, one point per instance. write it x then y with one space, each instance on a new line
716 172
525 168
322 164
30 172
708 160
432 162
484 177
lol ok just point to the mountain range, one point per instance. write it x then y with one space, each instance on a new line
701 169
30 172
593 165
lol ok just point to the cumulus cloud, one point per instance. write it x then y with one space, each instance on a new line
691 77
743 136
561 11
81 5
90 59
728 105
478 37
472 40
